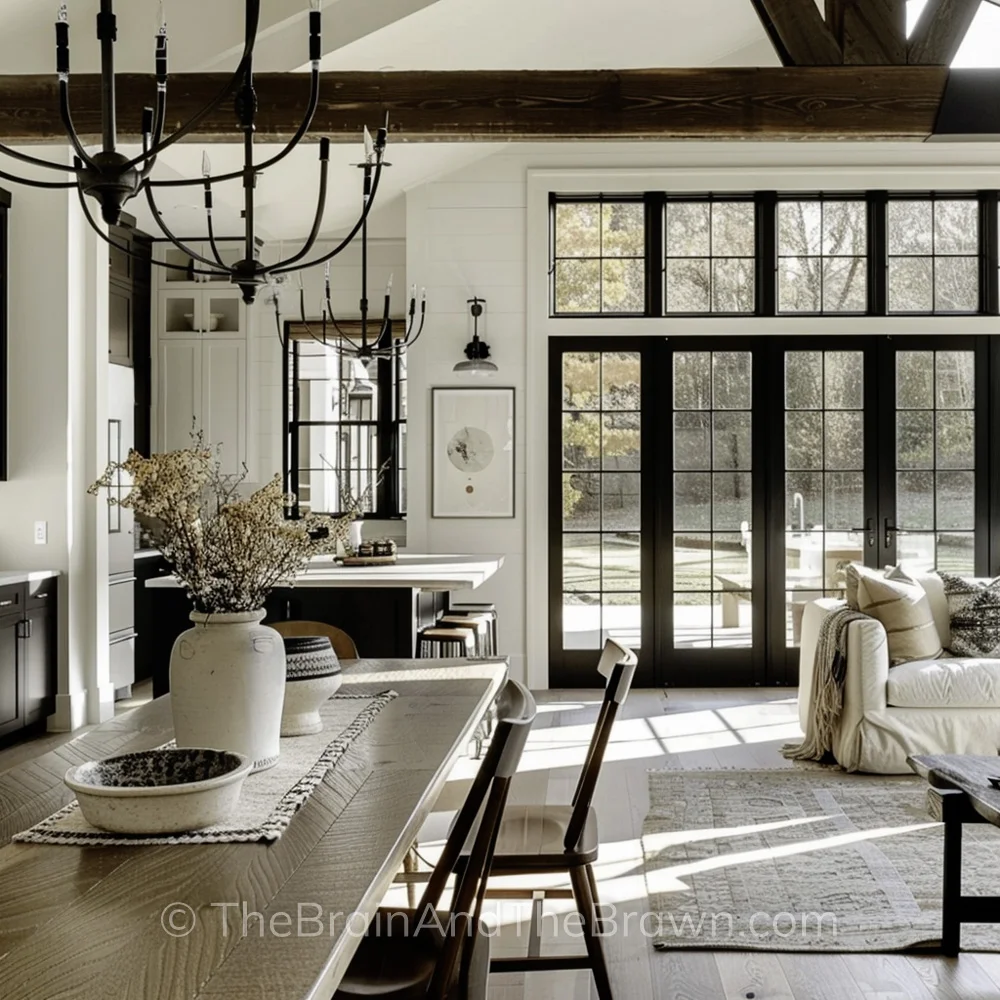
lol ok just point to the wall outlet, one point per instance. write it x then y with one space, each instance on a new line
41 532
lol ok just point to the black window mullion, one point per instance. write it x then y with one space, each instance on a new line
989 253
878 252
766 257
655 205
386 492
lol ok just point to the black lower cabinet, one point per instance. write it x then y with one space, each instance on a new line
28 665
40 678
11 674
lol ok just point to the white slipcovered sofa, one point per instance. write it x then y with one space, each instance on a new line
948 705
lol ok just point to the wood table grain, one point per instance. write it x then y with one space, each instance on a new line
89 922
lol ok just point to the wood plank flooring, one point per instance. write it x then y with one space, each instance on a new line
684 729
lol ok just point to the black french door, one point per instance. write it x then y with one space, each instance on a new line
704 490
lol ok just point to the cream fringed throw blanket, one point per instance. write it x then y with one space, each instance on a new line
827 696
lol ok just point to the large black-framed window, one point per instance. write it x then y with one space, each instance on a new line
861 253
345 427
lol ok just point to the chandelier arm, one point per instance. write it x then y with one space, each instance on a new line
406 343
340 333
128 251
36 184
213 244
16 154
252 20
67 120
324 165
158 217
282 269
300 134
158 121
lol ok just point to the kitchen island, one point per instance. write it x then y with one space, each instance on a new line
381 607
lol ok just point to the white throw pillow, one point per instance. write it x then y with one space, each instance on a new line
905 613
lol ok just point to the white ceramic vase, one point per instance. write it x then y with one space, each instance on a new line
227 685
354 540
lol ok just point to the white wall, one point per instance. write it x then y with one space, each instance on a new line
57 353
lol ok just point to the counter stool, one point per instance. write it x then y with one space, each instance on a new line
479 625
445 641
437 641
471 608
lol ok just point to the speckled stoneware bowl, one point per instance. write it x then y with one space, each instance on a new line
312 675
159 791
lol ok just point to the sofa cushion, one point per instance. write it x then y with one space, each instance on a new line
966 682
905 613
974 609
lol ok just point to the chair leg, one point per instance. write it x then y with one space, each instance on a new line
592 882
585 903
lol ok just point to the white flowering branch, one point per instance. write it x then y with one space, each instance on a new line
229 551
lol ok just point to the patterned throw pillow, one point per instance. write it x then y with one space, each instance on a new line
905 613
974 609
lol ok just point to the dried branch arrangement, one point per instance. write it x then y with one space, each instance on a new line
229 551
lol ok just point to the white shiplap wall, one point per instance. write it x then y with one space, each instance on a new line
465 237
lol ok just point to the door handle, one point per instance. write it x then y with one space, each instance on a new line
869 532
890 529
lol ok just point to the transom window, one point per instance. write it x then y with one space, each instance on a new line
769 254
934 255
710 256
599 256
822 256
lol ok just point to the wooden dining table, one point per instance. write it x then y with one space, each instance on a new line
152 922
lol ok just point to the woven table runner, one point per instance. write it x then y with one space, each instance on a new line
268 800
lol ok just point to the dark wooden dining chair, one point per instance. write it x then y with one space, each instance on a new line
343 644
433 955
553 839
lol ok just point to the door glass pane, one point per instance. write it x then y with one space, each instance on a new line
935 460
713 430
824 476
602 510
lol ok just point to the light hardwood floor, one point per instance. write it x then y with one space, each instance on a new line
686 729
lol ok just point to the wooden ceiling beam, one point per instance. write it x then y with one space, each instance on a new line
940 31
798 32
889 102
870 32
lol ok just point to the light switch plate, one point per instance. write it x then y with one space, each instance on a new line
41 532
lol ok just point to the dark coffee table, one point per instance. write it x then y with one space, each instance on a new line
960 793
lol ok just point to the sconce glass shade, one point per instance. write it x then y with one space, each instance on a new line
478 367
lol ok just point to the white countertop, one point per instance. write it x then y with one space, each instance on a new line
417 572
13 576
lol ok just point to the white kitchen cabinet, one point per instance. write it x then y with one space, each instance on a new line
202 384
229 250
203 312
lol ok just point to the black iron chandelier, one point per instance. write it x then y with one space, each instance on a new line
375 341
112 178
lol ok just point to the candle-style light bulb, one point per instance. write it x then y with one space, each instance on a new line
315 4
388 286
163 19
369 146
413 293
423 296
62 14
206 164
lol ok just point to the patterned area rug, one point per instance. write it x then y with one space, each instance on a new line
803 860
